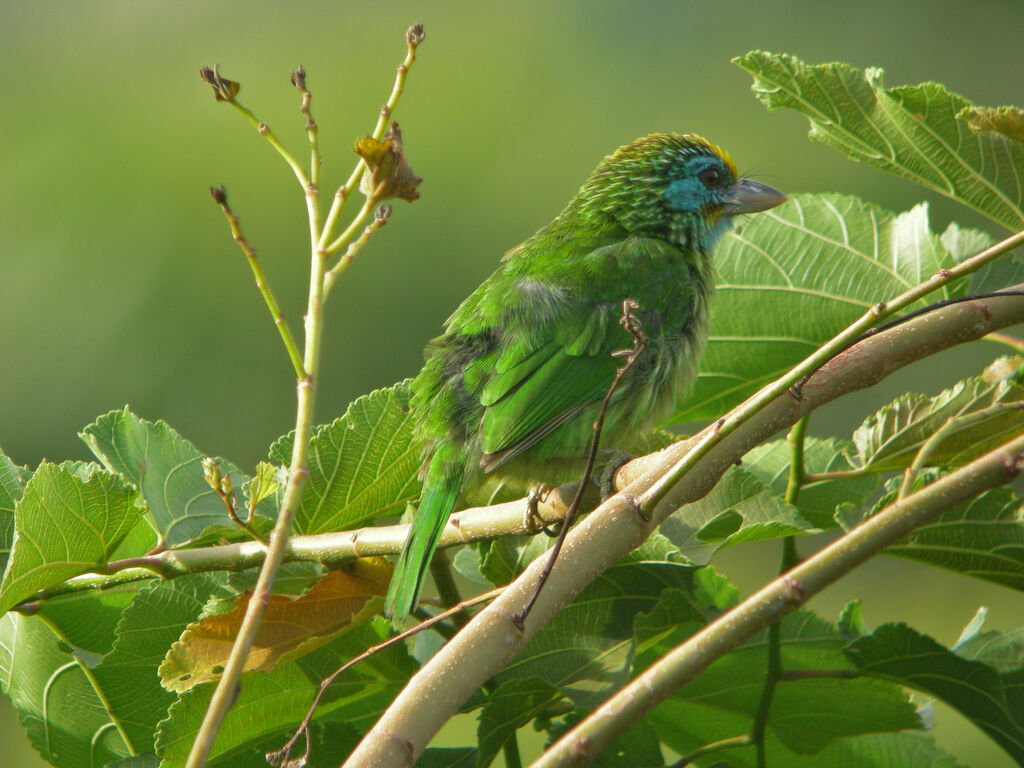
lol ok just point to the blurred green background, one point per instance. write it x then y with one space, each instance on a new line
120 283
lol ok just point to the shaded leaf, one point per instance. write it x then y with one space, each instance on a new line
11 490
793 277
818 500
270 704
361 466
808 715
291 627
586 650
511 706
898 653
64 526
167 470
890 438
739 508
447 757
983 538
63 715
910 131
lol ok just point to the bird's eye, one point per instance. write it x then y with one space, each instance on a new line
710 177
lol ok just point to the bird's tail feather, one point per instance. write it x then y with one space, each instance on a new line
440 489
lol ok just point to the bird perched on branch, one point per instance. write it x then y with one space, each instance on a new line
517 379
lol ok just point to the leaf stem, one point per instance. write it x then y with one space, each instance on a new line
709 749
221 198
1017 345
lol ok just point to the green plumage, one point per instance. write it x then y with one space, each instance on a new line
517 379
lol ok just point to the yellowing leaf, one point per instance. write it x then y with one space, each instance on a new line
388 171
291 627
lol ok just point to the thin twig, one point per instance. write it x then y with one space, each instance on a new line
631 324
283 754
220 196
312 129
380 218
709 749
413 37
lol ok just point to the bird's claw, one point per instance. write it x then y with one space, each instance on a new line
605 479
533 522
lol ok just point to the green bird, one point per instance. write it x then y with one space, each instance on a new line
517 379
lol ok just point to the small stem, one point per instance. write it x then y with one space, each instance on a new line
221 198
312 130
950 426
709 749
1017 345
350 230
413 37
510 751
380 218
797 475
264 130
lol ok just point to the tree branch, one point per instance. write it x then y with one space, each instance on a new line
614 529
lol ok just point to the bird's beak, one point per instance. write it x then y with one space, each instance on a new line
752 196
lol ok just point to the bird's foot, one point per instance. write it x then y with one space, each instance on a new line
605 479
533 522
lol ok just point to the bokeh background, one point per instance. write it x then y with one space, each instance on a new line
119 283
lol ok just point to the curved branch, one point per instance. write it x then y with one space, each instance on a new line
794 588
610 532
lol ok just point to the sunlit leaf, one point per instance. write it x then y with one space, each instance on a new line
65 525
818 500
361 466
794 276
167 469
910 131
739 508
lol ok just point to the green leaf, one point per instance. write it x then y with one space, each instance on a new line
818 500
361 466
514 704
127 675
910 131
999 273
891 438
65 525
447 757
796 275
270 704
807 715
65 719
586 649
740 508
898 653
167 470
11 490
983 538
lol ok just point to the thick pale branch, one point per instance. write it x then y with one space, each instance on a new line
683 663
492 639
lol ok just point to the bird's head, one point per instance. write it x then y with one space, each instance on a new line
675 186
